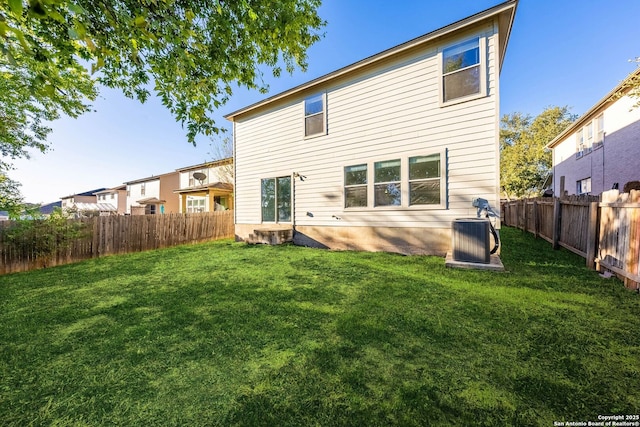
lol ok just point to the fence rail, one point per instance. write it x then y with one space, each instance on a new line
604 230
43 245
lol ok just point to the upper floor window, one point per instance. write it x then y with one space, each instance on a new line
599 131
142 189
590 136
461 70
314 115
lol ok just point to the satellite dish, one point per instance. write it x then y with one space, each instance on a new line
199 176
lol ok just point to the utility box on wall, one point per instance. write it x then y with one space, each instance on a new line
470 240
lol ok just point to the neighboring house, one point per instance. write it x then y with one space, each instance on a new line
116 196
206 187
382 154
153 195
70 202
4 216
600 150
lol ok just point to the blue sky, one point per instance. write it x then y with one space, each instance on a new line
562 52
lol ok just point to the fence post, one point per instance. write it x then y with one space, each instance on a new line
592 235
536 219
557 217
526 215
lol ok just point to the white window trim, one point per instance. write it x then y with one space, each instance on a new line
324 121
404 183
482 45
579 186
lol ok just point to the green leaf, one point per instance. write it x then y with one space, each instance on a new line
73 33
20 35
49 90
140 21
16 7
54 14
78 10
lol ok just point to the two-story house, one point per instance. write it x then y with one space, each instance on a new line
600 150
116 196
382 154
206 187
153 195
68 202
86 204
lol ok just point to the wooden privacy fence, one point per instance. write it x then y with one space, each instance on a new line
44 245
604 230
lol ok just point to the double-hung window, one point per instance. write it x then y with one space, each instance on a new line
583 186
580 149
424 180
355 186
589 136
276 199
462 72
314 115
599 131
388 187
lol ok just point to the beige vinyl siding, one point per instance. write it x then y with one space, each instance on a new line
387 113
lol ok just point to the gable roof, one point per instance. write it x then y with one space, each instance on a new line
211 164
86 193
504 11
608 99
150 178
49 207
112 190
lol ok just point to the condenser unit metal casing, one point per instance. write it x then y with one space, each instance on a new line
470 240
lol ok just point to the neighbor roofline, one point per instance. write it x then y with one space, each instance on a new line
150 178
213 163
506 7
603 103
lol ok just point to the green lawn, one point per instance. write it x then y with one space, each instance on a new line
228 334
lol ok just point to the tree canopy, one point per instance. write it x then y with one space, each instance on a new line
525 163
55 53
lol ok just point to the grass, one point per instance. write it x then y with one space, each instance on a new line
228 334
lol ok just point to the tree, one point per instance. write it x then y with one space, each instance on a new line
189 53
10 198
525 163
224 150
630 86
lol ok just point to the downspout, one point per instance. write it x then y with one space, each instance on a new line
293 203
604 136
235 218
